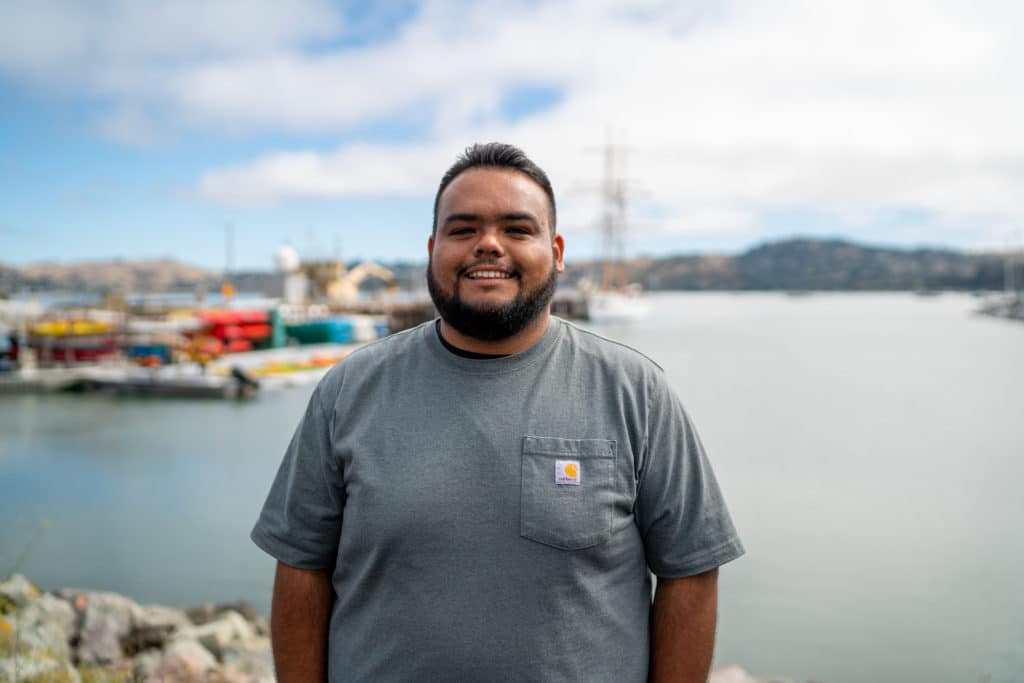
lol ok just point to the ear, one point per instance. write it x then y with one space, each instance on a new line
430 245
558 249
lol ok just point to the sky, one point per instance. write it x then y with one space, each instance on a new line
213 132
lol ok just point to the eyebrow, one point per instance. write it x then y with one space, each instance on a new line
475 218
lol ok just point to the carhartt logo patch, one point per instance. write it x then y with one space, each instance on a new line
567 472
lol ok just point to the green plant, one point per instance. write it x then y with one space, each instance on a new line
7 637
10 547
51 677
10 645
102 674
7 605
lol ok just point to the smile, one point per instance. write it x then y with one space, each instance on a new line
489 275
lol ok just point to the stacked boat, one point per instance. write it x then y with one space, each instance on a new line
75 340
220 352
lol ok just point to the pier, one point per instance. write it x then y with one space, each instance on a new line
159 350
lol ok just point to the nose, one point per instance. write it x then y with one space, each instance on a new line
489 243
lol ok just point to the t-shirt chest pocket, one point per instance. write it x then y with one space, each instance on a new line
568 491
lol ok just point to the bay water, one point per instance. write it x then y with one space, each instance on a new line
870 446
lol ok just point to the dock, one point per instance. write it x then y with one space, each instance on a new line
214 374
1009 306
176 381
232 376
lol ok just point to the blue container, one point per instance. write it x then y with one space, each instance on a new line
327 331
161 351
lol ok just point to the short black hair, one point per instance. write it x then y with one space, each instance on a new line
496 155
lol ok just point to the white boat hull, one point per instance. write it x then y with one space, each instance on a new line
616 307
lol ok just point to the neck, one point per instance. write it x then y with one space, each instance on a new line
517 343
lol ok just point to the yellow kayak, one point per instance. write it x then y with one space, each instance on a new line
70 328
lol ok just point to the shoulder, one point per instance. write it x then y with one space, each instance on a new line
597 361
375 357
604 351
391 347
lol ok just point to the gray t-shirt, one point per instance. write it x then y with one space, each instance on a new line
494 520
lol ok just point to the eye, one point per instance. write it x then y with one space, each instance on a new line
518 230
461 230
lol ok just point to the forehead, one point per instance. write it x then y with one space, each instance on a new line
486 191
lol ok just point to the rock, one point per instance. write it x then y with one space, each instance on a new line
158 616
251 661
184 661
262 625
17 591
154 626
146 663
47 624
208 612
37 666
201 614
734 674
107 620
730 674
215 636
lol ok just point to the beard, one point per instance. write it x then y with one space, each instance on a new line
491 322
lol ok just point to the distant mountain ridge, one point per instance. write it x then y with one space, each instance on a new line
155 275
793 264
813 264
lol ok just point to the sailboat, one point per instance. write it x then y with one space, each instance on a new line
614 300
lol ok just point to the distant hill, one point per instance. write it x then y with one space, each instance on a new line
808 264
163 275
833 264
795 264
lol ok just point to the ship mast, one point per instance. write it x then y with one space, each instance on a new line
613 191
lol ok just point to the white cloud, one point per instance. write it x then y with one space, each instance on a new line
729 109
116 46
355 170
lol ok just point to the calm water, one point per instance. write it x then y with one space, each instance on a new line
871 448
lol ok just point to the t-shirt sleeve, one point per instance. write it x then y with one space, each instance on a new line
300 523
680 510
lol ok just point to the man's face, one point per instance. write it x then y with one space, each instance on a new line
493 263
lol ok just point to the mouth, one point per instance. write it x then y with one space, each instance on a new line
488 273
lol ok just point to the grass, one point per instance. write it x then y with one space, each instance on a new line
101 674
22 553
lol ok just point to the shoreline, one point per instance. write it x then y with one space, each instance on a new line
82 636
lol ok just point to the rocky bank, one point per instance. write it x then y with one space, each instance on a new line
80 636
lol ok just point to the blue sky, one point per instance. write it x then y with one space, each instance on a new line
144 130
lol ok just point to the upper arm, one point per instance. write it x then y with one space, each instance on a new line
683 620
307 587
689 590
300 623
300 523
680 509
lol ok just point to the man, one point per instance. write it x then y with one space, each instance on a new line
484 497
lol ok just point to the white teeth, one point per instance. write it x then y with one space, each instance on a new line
489 274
